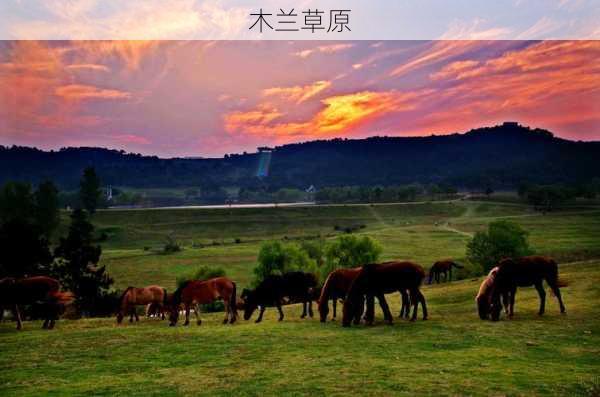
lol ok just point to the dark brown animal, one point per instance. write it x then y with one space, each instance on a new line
376 280
296 286
442 267
336 287
199 292
524 272
34 290
132 297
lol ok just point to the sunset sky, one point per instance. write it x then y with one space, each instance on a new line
208 98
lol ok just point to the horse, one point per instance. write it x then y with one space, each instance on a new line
33 290
483 297
132 297
378 279
297 286
198 292
442 267
524 272
336 287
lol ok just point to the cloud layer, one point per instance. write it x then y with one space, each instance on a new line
178 98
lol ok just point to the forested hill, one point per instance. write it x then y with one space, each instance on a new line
503 156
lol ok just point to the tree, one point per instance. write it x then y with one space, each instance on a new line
89 190
46 207
277 258
503 239
24 248
76 265
351 251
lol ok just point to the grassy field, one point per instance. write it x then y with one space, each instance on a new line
453 353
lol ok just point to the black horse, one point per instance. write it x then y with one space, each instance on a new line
295 286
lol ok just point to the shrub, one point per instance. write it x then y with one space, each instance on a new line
277 258
503 239
202 273
171 246
350 251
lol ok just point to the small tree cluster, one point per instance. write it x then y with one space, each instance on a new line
503 239
315 256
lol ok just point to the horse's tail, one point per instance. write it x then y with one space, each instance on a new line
456 265
62 298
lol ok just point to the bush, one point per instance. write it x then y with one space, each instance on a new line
202 273
350 251
503 239
171 246
277 258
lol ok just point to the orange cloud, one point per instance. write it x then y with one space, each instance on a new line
439 51
82 92
88 66
298 93
341 113
325 49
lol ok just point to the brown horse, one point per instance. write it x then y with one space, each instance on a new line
525 272
197 292
376 280
34 290
442 267
336 287
484 296
132 297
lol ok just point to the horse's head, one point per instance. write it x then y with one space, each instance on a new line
483 307
174 315
323 305
250 303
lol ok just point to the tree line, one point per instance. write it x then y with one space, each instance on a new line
29 221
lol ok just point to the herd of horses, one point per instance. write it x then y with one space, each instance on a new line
356 287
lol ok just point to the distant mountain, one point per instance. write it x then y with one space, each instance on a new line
503 156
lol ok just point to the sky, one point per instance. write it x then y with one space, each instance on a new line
209 98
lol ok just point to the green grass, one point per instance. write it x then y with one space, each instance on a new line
453 353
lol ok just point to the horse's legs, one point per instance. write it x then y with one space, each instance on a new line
370 312
187 314
303 309
260 315
540 289
17 315
197 312
334 304
227 311
511 309
387 315
310 309
137 318
279 310
556 291
414 299
505 301
45 324
423 304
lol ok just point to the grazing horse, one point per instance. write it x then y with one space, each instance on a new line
199 292
442 267
484 296
132 297
525 272
376 280
297 286
336 287
33 290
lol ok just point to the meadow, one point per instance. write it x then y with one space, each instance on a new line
452 353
